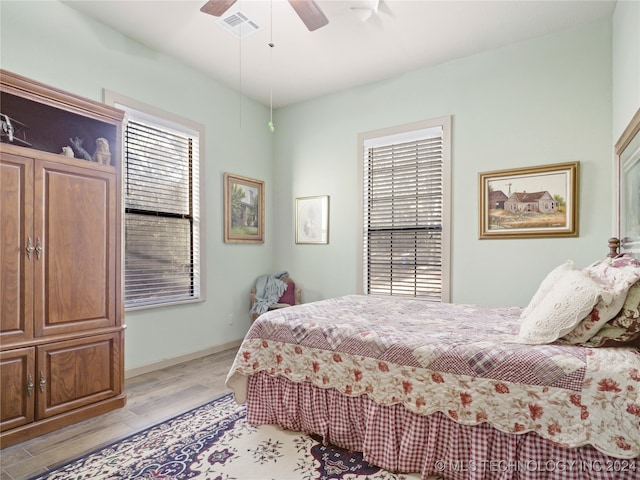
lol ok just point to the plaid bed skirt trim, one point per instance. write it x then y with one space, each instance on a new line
398 440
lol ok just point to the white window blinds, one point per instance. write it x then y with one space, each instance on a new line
162 241
403 215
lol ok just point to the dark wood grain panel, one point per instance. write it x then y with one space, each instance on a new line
16 269
74 220
16 371
76 373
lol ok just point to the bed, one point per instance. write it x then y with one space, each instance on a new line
469 392
454 390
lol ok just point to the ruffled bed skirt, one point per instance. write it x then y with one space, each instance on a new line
398 440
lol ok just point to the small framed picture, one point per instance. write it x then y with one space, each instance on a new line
243 209
530 202
312 219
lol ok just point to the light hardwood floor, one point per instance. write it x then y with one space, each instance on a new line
151 398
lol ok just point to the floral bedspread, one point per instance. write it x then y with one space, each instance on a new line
461 360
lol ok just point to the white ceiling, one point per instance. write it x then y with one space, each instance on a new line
365 40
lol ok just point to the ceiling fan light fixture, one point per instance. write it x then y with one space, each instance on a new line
363 14
365 9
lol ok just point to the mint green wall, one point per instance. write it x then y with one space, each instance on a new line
626 64
78 55
541 101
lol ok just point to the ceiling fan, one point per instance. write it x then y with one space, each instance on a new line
307 10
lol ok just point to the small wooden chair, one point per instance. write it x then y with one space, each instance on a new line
291 296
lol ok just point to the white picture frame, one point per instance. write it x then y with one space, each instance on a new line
312 220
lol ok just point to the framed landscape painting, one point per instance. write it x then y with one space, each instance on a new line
530 202
243 209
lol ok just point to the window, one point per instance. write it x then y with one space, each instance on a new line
161 191
404 247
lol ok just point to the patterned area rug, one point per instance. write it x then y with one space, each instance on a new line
214 442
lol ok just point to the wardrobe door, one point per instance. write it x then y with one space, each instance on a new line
76 373
75 236
16 248
17 387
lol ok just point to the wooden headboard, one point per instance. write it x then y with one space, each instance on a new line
627 165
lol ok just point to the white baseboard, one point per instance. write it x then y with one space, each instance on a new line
169 362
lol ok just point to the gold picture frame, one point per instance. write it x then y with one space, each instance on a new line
312 219
243 209
539 202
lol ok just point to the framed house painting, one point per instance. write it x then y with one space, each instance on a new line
530 202
312 219
243 209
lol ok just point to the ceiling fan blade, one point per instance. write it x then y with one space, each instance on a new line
309 13
217 7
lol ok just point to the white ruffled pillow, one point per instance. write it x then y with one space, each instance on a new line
616 276
546 285
567 301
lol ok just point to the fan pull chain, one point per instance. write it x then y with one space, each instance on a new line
272 128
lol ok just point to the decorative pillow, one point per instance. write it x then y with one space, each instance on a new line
624 328
570 299
288 297
616 275
546 286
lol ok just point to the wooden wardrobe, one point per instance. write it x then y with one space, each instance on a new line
61 298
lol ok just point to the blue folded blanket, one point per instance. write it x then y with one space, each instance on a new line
269 289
